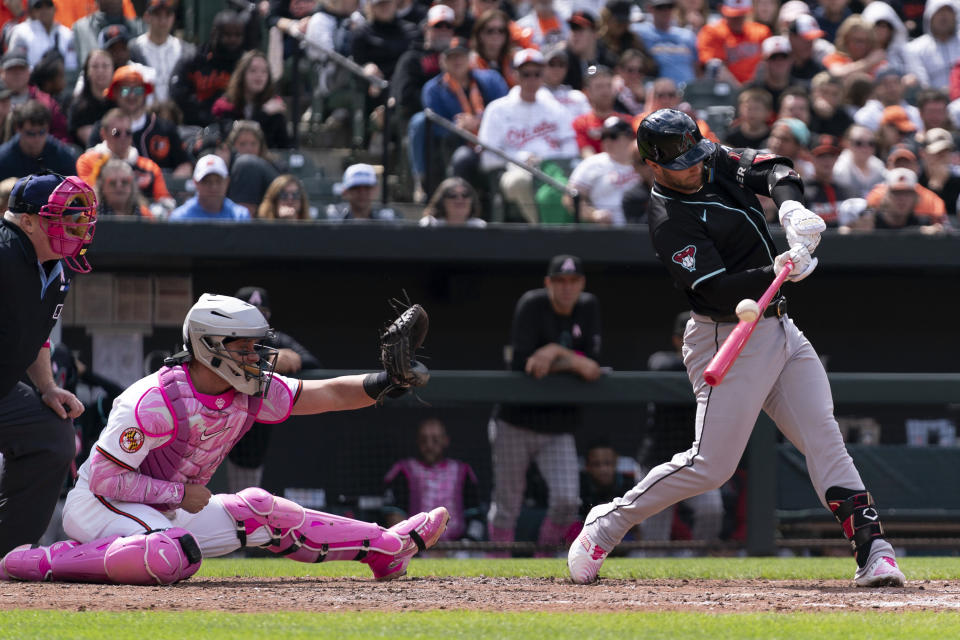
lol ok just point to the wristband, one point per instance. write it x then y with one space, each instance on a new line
376 384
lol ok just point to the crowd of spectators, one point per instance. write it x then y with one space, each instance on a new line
862 96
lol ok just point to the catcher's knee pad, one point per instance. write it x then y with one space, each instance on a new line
303 534
158 557
858 517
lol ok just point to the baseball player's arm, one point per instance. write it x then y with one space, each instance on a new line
334 394
554 358
63 403
111 477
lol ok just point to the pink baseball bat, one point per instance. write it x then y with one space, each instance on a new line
733 345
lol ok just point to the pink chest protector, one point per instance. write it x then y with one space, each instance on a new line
201 437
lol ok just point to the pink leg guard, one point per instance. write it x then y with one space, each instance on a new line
305 535
158 557
419 533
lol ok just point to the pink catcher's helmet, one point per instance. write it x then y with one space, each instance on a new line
68 207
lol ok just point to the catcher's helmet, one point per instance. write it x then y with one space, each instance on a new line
212 323
672 139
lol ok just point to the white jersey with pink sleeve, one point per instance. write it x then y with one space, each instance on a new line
145 454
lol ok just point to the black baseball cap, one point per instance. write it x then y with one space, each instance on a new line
565 264
615 126
257 296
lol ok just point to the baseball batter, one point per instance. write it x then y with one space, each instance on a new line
141 513
708 228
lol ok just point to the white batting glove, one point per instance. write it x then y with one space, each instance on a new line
803 264
802 225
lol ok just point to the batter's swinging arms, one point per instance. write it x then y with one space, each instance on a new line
708 228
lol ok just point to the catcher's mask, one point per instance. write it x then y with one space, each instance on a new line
217 332
67 207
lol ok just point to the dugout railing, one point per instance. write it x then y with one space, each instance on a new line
903 478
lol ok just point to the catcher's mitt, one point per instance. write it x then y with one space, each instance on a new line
398 347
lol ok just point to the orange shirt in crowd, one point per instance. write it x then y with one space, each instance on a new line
147 174
69 11
929 204
740 52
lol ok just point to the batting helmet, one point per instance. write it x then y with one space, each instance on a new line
672 139
209 328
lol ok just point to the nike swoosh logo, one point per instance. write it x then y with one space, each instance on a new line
164 556
207 436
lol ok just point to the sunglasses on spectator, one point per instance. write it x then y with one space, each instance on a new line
456 195
34 133
531 74
120 133
43 5
289 195
443 25
778 56
492 31
132 91
862 143
661 7
116 184
665 94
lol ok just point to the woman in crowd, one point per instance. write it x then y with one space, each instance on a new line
116 192
889 30
454 203
857 168
90 104
490 45
246 136
251 95
630 82
857 49
50 76
285 199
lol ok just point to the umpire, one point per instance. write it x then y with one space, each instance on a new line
49 221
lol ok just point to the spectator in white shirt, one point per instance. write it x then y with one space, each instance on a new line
157 48
557 61
40 32
603 178
532 127
931 56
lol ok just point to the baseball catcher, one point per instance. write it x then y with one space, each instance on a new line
141 513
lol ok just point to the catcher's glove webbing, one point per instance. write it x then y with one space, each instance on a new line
398 346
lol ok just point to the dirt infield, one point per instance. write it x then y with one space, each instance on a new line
489 594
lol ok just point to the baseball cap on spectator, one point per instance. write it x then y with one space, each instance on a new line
776 44
887 72
527 56
457 45
440 13
126 75
615 126
208 164
359 175
32 192
797 128
15 57
257 296
901 179
937 140
736 8
824 144
900 152
791 10
806 26
34 3
897 116
564 264
583 19
112 34
555 50
619 9
154 5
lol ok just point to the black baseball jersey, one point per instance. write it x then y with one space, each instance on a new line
536 324
715 242
32 296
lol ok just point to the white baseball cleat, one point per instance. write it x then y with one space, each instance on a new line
585 559
881 571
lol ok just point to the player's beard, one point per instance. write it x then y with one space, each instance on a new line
685 180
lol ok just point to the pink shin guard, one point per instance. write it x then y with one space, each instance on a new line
305 535
158 557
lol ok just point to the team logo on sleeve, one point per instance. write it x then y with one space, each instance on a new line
131 440
686 257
